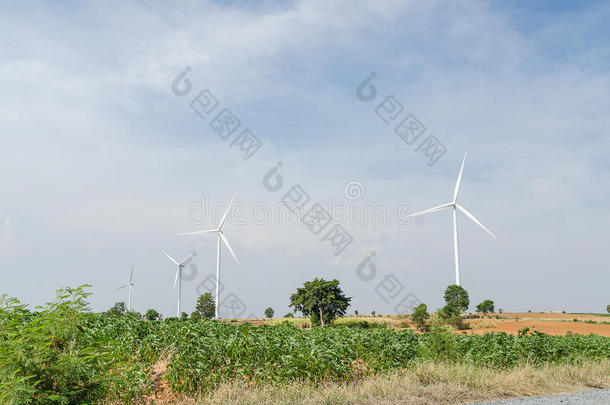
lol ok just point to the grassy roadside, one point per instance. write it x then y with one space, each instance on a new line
426 383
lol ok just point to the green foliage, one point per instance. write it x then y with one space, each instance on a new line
184 316
486 307
206 306
152 315
117 309
195 316
456 297
608 308
321 300
420 317
373 313
48 357
289 315
356 312
64 354
269 312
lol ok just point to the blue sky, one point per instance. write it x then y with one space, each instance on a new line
101 160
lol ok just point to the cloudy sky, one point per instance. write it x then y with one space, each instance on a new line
104 160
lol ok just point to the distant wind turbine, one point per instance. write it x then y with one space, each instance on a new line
178 278
130 285
455 207
222 237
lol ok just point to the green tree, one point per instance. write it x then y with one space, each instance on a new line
289 315
152 315
373 313
321 300
356 312
486 307
117 309
206 306
195 316
420 317
184 316
269 312
457 299
608 308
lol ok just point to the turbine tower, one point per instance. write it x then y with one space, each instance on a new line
130 284
221 237
455 206
178 278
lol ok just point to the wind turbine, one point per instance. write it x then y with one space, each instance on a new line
130 284
178 279
455 206
222 237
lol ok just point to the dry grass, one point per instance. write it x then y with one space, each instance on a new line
427 384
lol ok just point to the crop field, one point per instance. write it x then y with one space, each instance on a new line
65 354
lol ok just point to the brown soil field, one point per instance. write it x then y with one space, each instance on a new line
553 323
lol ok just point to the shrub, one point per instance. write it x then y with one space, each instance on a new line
486 307
289 315
269 312
420 317
47 358
152 315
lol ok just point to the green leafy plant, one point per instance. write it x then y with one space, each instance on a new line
269 312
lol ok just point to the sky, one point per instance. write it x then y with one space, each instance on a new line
112 142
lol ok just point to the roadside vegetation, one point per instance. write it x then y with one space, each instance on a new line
63 353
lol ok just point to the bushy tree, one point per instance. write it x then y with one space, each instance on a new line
195 316
356 312
289 315
486 307
152 315
608 308
373 313
47 358
457 299
321 300
420 317
184 316
269 312
117 309
206 306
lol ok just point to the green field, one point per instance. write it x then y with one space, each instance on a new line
65 354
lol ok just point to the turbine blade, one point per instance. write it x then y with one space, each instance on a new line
176 278
131 275
459 180
469 215
224 217
438 208
185 261
121 287
198 232
171 258
228 246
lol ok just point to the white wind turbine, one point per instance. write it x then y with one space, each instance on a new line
178 278
455 206
130 285
222 237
